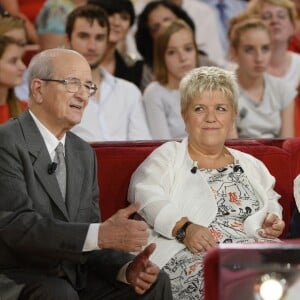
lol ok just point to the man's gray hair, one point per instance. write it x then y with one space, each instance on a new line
212 79
42 64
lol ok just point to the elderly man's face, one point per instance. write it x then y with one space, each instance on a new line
63 109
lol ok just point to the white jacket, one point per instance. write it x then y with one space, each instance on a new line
168 191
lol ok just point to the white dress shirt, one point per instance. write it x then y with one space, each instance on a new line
117 116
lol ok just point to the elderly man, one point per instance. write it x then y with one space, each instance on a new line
51 240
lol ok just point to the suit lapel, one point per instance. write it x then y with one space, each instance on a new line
40 160
74 177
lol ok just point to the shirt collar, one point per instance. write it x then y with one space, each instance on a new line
49 138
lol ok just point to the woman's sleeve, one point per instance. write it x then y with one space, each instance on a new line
268 182
151 185
155 113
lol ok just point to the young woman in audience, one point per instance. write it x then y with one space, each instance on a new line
121 18
266 103
14 27
153 16
280 16
175 53
11 70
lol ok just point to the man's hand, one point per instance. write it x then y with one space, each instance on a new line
272 227
142 273
121 233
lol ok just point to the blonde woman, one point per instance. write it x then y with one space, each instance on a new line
266 102
280 16
198 193
175 53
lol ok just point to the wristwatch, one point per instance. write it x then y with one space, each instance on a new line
180 234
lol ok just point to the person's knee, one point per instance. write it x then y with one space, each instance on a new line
163 278
161 290
162 282
50 289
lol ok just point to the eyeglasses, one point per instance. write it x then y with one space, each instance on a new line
74 84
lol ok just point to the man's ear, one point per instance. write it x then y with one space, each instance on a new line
36 90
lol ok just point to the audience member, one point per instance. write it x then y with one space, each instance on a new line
280 17
51 239
197 193
13 8
28 8
119 63
51 21
154 14
116 111
206 30
11 70
175 53
266 103
225 10
14 27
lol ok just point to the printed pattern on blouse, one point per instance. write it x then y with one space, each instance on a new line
236 200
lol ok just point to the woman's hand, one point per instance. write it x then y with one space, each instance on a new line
198 239
272 227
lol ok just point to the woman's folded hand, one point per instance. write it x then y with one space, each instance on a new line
199 239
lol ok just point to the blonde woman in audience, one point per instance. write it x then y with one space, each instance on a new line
266 103
11 70
175 53
280 16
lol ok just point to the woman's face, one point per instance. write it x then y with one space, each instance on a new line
253 52
277 18
160 15
11 66
180 55
119 26
208 119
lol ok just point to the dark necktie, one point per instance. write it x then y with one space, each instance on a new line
221 8
60 172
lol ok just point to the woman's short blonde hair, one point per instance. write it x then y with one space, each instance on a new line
160 47
256 7
204 79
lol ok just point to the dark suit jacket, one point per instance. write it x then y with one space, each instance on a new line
38 231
